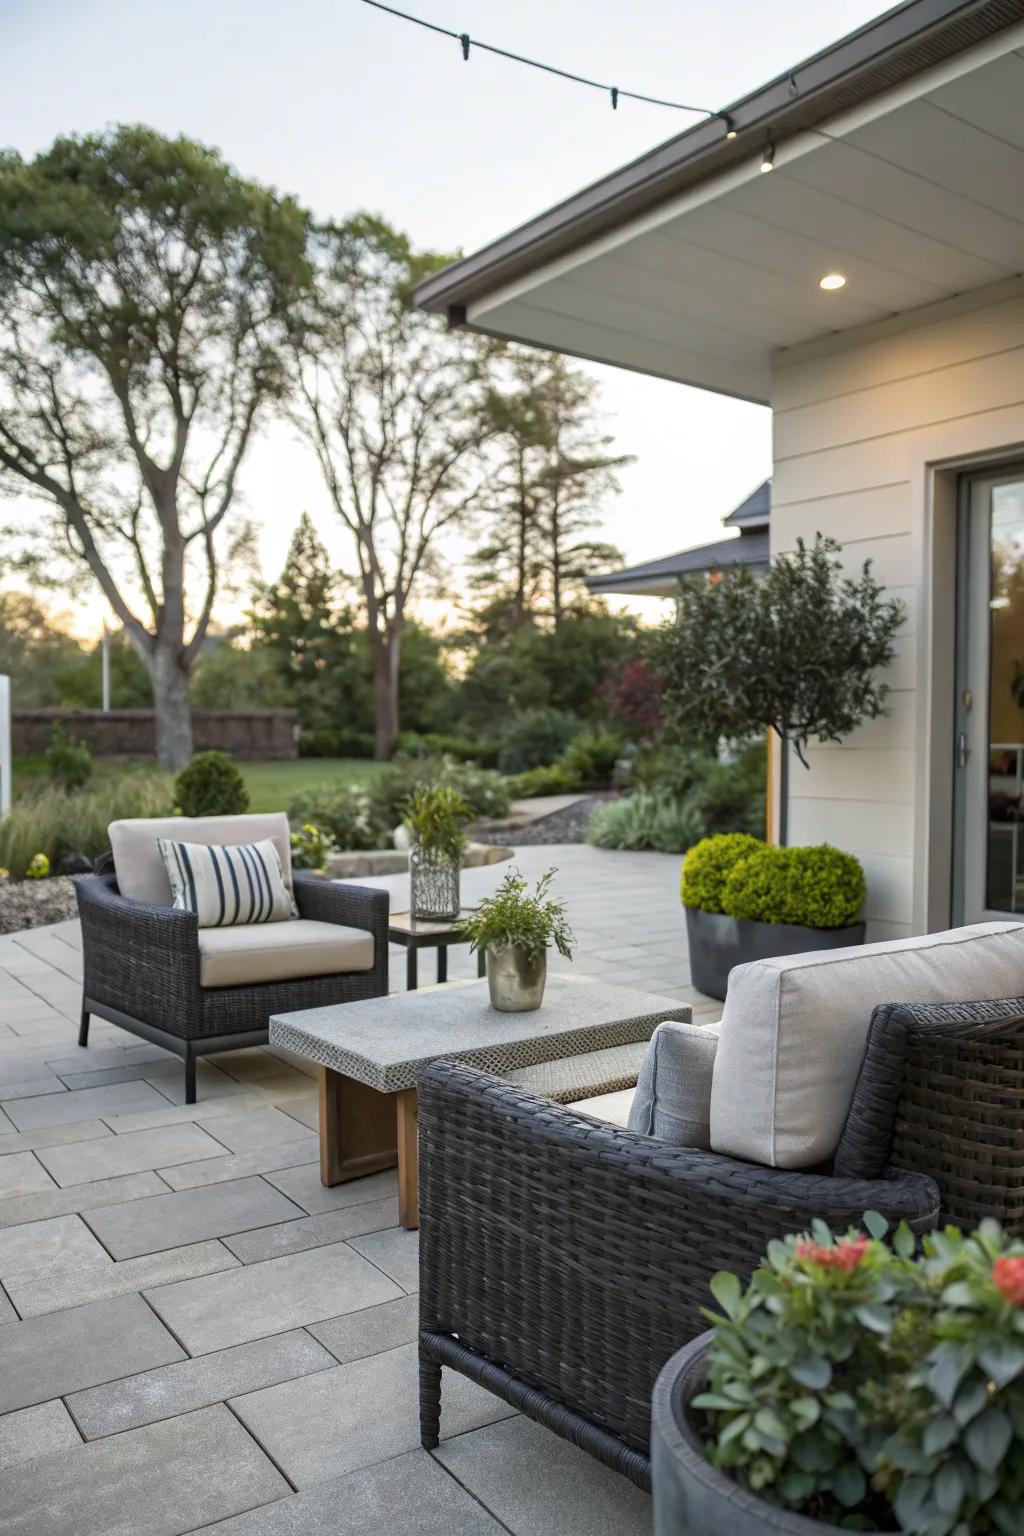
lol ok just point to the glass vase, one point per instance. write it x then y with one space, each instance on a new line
434 882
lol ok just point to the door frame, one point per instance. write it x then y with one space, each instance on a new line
966 552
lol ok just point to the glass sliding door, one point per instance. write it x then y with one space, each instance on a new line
990 702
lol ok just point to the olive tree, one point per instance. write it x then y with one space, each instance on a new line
143 285
797 650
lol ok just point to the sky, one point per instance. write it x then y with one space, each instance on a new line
350 108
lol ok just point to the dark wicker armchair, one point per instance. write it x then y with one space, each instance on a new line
563 1260
142 966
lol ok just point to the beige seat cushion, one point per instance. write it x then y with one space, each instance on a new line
141 875
613 1107
257 952
794 1029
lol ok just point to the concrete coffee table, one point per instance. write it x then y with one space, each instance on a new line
369 1053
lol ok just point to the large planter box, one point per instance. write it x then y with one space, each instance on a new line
717 943
692 1498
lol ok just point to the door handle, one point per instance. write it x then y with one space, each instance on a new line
962 750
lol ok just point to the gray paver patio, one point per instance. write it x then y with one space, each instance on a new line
222 1329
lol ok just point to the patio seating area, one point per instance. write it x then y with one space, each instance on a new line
196 1334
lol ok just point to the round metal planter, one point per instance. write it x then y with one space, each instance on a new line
691 1497
516 983
717 943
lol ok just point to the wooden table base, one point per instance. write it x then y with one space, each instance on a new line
363 1131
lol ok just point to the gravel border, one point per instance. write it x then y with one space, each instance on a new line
34 903
568 825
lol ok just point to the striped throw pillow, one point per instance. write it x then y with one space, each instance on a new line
227 885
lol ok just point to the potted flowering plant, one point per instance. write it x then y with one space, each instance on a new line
852 1384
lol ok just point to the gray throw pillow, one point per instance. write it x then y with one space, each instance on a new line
673 1093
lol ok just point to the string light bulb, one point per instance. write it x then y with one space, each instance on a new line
730 125
768 158
832 281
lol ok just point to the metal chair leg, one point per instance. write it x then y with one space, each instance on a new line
83 1027
190 1075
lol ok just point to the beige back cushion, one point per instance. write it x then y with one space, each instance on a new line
140 871
794 1028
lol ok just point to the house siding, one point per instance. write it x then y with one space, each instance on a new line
861 432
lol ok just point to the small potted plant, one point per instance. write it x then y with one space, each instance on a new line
747 901
436 816
852 1385
516 931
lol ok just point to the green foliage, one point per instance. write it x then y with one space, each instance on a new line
590 758
797 649
819 887
486 793
436 816
555 779
708 865
510 918
643 821
68 760
211 785
535 739
340 741
310 847
872 1389
55 821
228 676
533 667
436 744
79 683
344 814
33 650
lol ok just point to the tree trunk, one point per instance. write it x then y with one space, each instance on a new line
385 652
173 711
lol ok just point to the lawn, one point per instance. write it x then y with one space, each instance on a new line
270 785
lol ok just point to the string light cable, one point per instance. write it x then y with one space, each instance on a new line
614 92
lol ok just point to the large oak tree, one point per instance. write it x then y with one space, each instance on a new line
143 286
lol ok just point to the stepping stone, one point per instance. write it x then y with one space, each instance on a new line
48 1357
313 1231
371 1331
134 1153
162 1480
261 1299
38 1431
169 1221
63 1241
356 1415
410 1496
537 1484
85 1104
174 1389
21 1173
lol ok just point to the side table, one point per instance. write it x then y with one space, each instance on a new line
415 934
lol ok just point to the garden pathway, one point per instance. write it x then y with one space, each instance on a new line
195 1335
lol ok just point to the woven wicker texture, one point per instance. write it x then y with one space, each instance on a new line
583 1077
942 1090
144 960
575 1257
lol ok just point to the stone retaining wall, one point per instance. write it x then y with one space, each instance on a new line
261 735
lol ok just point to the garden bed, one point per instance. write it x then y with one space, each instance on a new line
395 861
34 903
566 825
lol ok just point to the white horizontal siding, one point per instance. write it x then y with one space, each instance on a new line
856 431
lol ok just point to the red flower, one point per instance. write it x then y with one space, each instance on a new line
845 1256
1008 1277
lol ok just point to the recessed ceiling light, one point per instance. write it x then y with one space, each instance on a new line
831 281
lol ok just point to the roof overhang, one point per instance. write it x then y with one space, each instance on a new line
899 161
661 578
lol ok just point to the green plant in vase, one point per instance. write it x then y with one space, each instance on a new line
436 817
516 930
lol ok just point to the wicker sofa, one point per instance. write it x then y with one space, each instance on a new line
147 969
563 1258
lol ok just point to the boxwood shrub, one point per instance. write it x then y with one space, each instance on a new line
816 887
211 785
708 866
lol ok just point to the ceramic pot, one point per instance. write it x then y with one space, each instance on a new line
718 942
516 983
